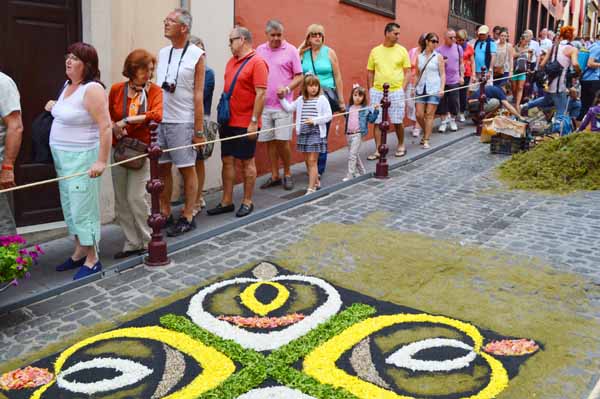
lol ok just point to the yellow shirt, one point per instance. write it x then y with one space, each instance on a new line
389 64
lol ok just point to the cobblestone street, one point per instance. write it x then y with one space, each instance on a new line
452 194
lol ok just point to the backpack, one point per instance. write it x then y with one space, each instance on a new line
521 63
583 58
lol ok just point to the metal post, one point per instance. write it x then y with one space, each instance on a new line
157 247
482 100
381 170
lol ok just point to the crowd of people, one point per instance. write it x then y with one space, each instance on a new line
259 84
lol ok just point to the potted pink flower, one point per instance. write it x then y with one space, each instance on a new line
16 260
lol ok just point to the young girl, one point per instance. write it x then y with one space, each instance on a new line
312 114
356 127
592 117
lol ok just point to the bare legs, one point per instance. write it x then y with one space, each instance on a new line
228 176
190 185
425 116
201 176
279 149
85 251
517 89
310 159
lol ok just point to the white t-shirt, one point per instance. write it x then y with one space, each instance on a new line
10 101
178 107
546 44
535 46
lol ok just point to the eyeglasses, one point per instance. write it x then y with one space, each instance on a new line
170 21
460 40
233 39
316 34
71 57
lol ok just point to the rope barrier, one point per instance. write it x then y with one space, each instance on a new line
337 115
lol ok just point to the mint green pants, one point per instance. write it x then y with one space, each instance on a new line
79 196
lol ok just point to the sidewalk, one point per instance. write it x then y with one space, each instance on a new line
46 282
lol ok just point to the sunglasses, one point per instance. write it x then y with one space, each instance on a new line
233 39
316 34
434 41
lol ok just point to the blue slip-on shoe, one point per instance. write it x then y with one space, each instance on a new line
70 264
85 271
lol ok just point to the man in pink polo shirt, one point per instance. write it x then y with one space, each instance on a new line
285 74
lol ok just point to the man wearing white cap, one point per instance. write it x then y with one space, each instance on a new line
485 51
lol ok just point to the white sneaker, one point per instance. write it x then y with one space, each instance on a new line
416 132
453 126
461 118
442 128
348 177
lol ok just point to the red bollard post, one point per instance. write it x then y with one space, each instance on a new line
482 100
157 247
381 170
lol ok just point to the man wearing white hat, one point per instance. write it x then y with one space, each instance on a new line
485 51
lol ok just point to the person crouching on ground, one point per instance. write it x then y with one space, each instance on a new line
357 127
313 112
592 117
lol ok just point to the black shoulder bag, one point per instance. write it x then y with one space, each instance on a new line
129 147
331 94
40 135
553 69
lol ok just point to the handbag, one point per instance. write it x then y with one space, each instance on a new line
553 69
40 135
223 109
129 147
206 150
331 94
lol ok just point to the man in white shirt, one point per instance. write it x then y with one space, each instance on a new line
545 43
11 132
180 73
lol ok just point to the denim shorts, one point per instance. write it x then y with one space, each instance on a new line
428 100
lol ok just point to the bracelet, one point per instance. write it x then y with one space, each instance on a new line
6 166
287 89
200 134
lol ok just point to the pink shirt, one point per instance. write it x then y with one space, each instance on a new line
284 64
353 123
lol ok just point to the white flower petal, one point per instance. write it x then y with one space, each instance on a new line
404 357
132 372
273 339
275 393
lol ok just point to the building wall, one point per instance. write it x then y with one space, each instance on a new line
350 31
502 13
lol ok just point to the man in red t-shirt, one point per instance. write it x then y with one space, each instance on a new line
246 105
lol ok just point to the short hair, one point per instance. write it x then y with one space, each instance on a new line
390 27
462 33
244 32
184 17
197 41
567 32
497 28
89 56
274 24
310 80
136 60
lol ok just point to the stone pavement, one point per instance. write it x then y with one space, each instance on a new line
46 282
451 194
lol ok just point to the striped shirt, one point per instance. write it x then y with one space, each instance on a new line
309 111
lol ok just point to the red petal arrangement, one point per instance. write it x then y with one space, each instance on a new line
29 377
263 322
512 347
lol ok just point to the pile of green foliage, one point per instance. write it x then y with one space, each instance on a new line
563 165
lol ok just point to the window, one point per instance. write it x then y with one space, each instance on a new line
473 10
383 7
533 15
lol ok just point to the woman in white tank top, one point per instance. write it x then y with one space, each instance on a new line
80 141
431 79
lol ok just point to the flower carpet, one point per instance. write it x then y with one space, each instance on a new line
345 345
304 331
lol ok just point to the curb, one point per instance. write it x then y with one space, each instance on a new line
195 239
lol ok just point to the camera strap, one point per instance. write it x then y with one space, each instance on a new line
179 64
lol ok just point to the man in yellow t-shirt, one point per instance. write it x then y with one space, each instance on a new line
389 63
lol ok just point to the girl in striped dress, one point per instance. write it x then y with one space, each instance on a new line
313 112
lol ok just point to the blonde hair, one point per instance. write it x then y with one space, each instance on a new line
313 28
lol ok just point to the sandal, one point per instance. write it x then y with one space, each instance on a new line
373 156
310 191
400 152
426 144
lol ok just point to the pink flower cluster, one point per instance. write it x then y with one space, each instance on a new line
15 260
263 322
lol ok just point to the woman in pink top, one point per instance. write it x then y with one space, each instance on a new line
411 110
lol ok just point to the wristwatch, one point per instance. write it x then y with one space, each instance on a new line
200 134
254 119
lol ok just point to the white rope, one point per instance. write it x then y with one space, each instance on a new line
337 115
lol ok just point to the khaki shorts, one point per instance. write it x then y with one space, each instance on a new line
279 120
